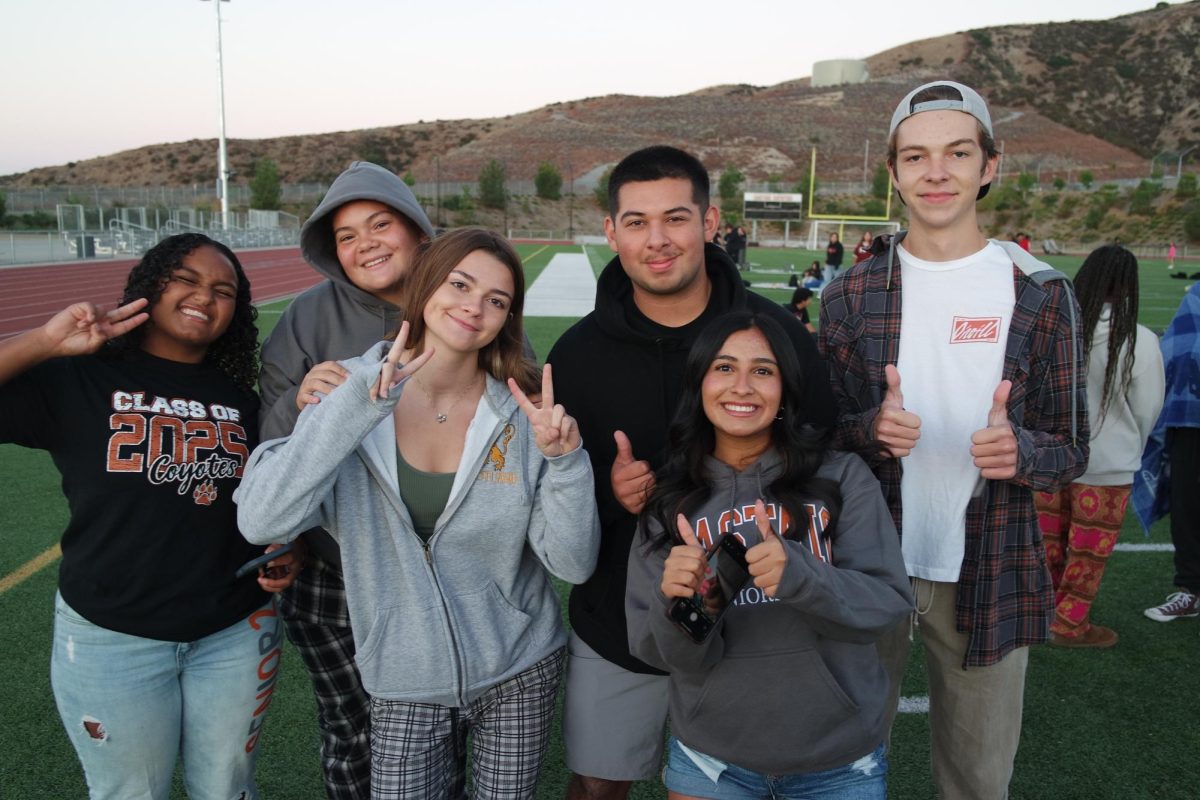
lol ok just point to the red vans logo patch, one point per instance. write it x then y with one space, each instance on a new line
975 329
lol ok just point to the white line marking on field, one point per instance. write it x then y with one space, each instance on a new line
914 705
565 288
1144 548
534 253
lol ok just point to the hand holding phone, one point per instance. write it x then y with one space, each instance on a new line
254 564
724 574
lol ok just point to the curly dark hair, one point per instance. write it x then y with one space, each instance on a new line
1110 275
681 485
236 351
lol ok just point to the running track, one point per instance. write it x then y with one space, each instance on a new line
31 295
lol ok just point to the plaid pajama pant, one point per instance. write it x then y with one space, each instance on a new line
419 750
318 624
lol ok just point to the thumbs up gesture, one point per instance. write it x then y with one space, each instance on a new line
766 559
684 568
631 479
995 447
895 427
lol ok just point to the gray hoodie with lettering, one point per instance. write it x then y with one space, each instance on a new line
442 621
792 683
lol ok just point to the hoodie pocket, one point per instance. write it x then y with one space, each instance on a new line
788 697
494 635
406 651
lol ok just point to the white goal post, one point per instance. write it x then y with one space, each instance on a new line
849 231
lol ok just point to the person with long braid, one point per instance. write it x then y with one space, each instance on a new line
1080 523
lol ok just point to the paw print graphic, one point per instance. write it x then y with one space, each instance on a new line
205 494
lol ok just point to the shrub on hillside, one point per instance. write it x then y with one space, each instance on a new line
548 181
492 179
1186 186
1141 199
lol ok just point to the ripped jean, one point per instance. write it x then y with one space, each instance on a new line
697 775
132 705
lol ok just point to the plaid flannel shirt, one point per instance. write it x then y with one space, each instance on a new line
1005 599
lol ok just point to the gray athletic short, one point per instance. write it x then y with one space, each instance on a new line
613 719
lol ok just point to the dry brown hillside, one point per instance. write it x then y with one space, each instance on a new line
1103 96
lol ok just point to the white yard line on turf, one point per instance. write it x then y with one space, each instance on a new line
565 288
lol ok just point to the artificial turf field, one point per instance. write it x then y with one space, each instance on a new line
1117 723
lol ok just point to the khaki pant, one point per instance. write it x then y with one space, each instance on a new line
974 714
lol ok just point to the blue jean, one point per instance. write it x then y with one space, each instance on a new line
132 705
865 779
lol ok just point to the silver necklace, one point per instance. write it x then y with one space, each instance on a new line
442 416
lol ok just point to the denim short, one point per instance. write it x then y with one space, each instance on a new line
864 779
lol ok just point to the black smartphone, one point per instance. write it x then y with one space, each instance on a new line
261 561
724 577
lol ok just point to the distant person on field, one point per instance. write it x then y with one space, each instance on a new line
1169 480
361 237
814 278
833 257
1080 524
798 305
1023 240
620 371
862 250
993 406
1171 256
743 244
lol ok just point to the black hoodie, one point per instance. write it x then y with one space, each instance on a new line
616 369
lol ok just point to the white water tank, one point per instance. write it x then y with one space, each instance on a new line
837 71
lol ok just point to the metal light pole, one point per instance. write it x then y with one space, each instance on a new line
570 201
1179 166
866 157
222 161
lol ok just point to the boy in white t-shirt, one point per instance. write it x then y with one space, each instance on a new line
993 407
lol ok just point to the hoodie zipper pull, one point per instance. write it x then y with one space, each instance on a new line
428 554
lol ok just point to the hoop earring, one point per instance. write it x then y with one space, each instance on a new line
779 414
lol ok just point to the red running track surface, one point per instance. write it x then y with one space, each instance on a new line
31 295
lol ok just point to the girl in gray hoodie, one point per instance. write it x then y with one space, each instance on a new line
786 696
453 500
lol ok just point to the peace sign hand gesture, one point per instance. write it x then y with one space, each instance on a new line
392 371
555 431
82 328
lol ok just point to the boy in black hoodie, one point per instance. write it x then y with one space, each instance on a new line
620 371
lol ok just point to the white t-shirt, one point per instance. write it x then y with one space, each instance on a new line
953 331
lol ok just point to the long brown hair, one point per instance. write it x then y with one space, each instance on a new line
502 358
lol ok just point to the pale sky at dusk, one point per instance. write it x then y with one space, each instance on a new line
83 78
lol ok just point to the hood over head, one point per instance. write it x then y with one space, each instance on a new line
362 180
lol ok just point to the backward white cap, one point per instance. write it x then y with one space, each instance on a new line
971 103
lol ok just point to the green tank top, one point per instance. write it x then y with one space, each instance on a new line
425 494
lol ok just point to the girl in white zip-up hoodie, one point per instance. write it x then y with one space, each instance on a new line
1125 383
453 499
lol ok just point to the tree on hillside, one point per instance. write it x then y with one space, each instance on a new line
409 179
601 191
548 181
1087 178
3 207
265 187
727 187
492 191
880 181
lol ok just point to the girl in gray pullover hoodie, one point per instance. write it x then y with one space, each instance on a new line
787 694
453 499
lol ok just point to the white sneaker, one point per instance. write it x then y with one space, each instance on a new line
1178 605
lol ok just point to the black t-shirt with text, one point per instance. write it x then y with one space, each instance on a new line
150 452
